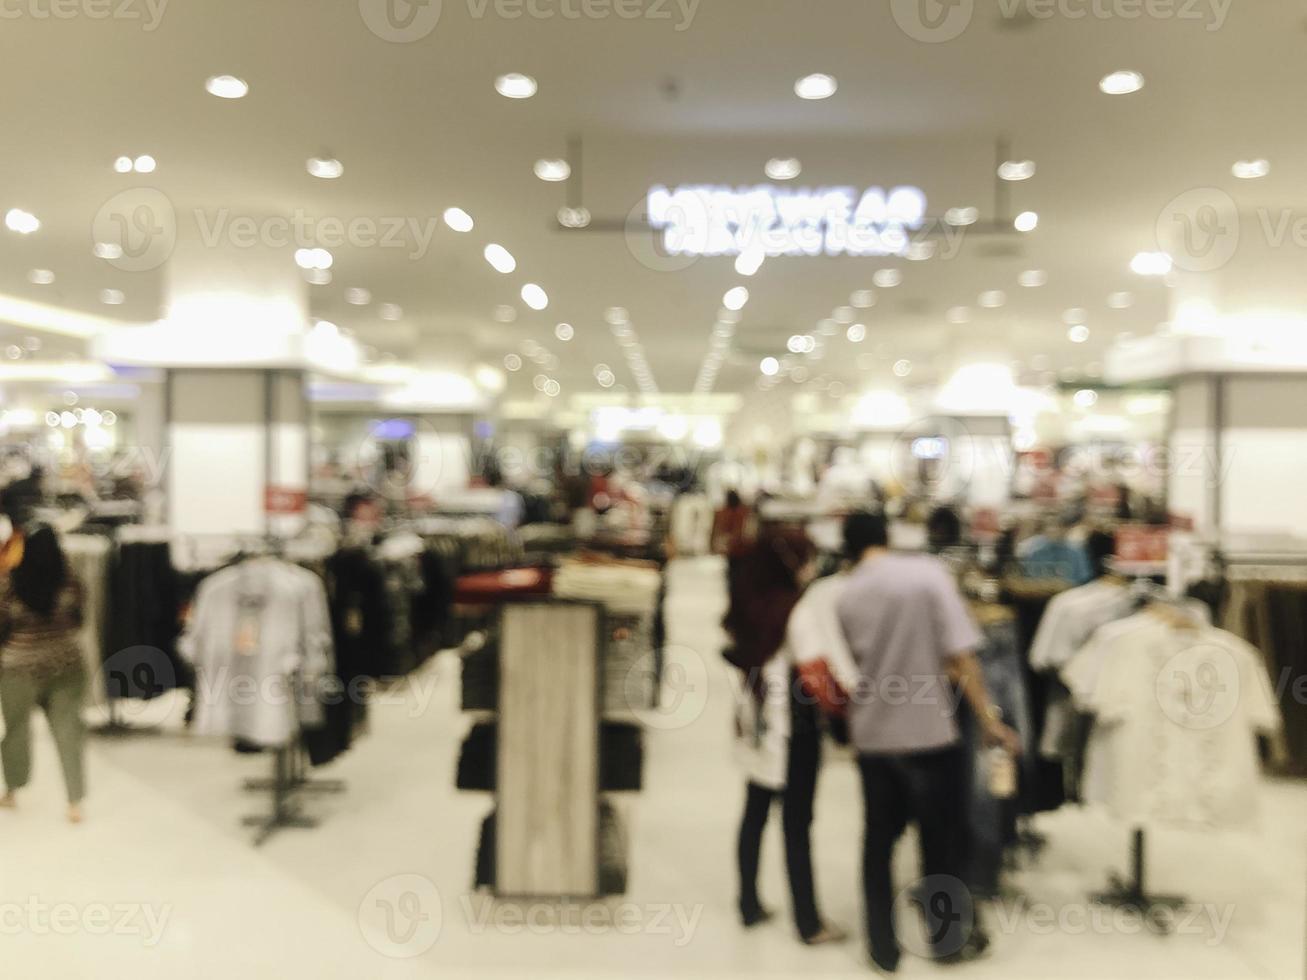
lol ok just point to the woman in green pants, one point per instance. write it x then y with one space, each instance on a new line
41 664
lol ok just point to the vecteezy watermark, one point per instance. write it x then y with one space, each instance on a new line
1203 229
233 687
937 21
671 698
678 923
401 916
1207 922
136 230
1199 688
37 917
945 911
406 21
148 13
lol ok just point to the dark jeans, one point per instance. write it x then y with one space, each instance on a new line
928 788
796 822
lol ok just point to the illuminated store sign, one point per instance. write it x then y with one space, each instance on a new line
712 220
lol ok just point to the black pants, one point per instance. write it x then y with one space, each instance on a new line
796 822
928 788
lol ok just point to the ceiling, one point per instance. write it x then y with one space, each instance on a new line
701 98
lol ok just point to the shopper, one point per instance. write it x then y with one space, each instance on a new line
914 644
777 727
731 532
41 606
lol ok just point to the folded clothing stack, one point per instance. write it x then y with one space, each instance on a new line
612 853
621 758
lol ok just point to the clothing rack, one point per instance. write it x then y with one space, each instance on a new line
289 777
1133 895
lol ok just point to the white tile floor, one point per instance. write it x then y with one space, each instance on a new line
162 839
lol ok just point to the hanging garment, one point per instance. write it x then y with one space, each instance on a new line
991 822
1067 624
260 640
88 558
144 603
1062 560
1177 711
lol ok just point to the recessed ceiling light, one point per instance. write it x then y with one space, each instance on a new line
515 85
887 278
144 164
123 165
1026 221
112 297
845 314
313 258
735 299
769 366
1251 169
1032 278
107 250
357 296
23 222
783 168
1121 301
1085 398
534 296
513 363
458 220
959 314
390 311
863 299
1078 334
816 87
324 168
564 331
857 333
500 258
227 87
750 261
902 368
1151 264
795 344
992 299
961 217
570 217
553 170
40 277
1121 83
1017 169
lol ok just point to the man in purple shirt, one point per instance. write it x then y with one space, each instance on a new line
914 643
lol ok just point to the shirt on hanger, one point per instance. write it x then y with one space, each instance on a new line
260 640
1177 713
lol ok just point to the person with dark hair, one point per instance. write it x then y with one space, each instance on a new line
41 605
777 727
943 529
914 643
731 532
1100 547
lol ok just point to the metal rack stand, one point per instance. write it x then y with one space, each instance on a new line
289 776
1133 894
